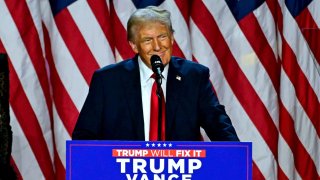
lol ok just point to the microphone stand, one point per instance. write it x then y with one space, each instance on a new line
159 89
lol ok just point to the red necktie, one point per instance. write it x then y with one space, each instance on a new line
154 113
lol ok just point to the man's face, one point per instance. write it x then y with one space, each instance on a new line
153 38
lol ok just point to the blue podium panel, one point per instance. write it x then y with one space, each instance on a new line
136 160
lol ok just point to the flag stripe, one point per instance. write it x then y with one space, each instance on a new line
65 66
286 161
121 41
237 80
302 123
246 58
15 168
30 38
182 39
63 134
2 50
101 12
267 25
66 107
293 67
314 11
75 41
35 113
184 9
29 124
303 162
307 23
59 167
22 152
310 102
88 25
256 173
294 38
253 32
60 172
234 109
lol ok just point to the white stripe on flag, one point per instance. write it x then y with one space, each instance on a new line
22 153
295 39
245 56
34 8
242 123
183 37
303 127
266 22
25 70
286 160
61 135
124 9
92 32
67 69
314 10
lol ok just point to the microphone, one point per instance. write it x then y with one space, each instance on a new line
157 67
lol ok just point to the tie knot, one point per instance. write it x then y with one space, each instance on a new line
153 76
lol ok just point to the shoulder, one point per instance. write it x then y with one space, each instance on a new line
123 67
114 73
188 66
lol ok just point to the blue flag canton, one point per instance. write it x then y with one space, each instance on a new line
297 6
241 8
144 3
58 5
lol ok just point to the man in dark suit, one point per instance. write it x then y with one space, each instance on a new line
118 103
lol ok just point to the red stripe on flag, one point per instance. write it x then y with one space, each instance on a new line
304 92
184 9
176 51
2 50
29 124
274 8
281 174
60 170
306 23
64 105
76 44
15 168
121 42
101 12
256 173
238 82
30 38
254 34
302 160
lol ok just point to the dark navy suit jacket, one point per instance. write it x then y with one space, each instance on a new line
113 108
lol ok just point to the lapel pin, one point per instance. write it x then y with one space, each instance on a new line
178 78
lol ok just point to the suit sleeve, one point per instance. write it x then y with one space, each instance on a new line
88 123
214 119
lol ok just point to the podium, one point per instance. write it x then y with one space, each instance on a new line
135 160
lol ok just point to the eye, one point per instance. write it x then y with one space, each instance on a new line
147 41
163 36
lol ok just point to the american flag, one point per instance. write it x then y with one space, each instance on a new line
263 56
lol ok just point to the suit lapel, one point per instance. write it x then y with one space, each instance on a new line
174 87
131 81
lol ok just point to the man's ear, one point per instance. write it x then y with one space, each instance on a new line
134 47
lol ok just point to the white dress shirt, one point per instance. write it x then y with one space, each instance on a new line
146 86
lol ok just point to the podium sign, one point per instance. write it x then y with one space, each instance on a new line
136 160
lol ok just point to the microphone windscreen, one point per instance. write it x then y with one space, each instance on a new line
156 62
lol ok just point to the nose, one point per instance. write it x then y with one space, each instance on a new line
156 45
